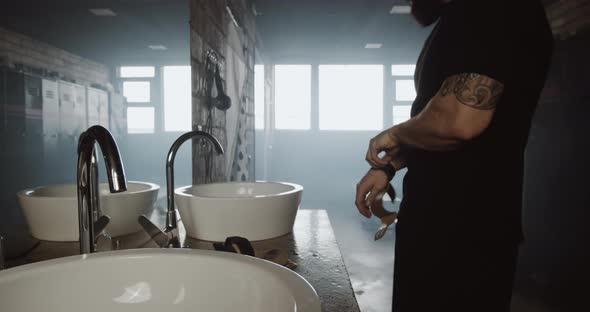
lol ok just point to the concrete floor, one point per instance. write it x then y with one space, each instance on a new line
370 263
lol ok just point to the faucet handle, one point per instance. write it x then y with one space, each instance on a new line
163 239
100 225
2 264
103 242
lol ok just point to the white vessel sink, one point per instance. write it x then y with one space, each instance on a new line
254 210
156 280
52 211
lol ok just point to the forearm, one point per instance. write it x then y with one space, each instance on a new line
428 131
461 110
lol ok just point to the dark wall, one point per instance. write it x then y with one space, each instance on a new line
555 258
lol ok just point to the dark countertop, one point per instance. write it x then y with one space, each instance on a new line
317 254
312 246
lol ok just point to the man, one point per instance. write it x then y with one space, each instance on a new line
478 81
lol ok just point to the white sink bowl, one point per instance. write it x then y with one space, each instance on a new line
52 211
254 210
156 280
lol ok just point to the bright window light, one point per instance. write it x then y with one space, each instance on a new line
403 70
351 97
137 91
177 98
140 119
293 97
138 71
405 90
259 96
401 113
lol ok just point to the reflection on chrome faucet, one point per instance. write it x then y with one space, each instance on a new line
170 237
88 180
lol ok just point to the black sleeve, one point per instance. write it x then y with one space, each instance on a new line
478 40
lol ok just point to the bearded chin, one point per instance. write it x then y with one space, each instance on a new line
426 12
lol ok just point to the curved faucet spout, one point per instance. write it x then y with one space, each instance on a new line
88 179
171 222
110 151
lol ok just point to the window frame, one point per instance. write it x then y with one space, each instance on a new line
153 130
312 100
261 97
163 102
153 96
120 71
146 103
156 95
382 90
394 78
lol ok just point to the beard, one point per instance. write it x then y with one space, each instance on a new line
426 12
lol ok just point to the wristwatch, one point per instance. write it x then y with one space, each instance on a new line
389 171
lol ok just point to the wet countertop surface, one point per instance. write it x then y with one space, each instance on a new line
312 248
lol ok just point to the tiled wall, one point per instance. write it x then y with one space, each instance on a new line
18 49
212 28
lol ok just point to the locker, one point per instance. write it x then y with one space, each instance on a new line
67 118
22 154
80 112
51 151
93 107
98 107
117 114
50 103
103 111
70 127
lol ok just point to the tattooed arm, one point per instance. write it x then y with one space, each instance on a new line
459 112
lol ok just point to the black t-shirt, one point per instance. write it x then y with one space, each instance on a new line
475 192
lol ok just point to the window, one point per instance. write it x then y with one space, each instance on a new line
293 97
401 113
137 91
140 119
259 96
351 97
137 82
403 70
137 71
177 98
405 91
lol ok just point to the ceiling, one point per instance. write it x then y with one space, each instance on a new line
337 31
124 38
289 31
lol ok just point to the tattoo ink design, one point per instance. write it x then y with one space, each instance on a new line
474 90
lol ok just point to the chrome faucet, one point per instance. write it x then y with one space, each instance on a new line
169 237
88 205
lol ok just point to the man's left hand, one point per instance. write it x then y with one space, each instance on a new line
386 142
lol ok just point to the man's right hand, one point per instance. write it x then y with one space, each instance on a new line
372 184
